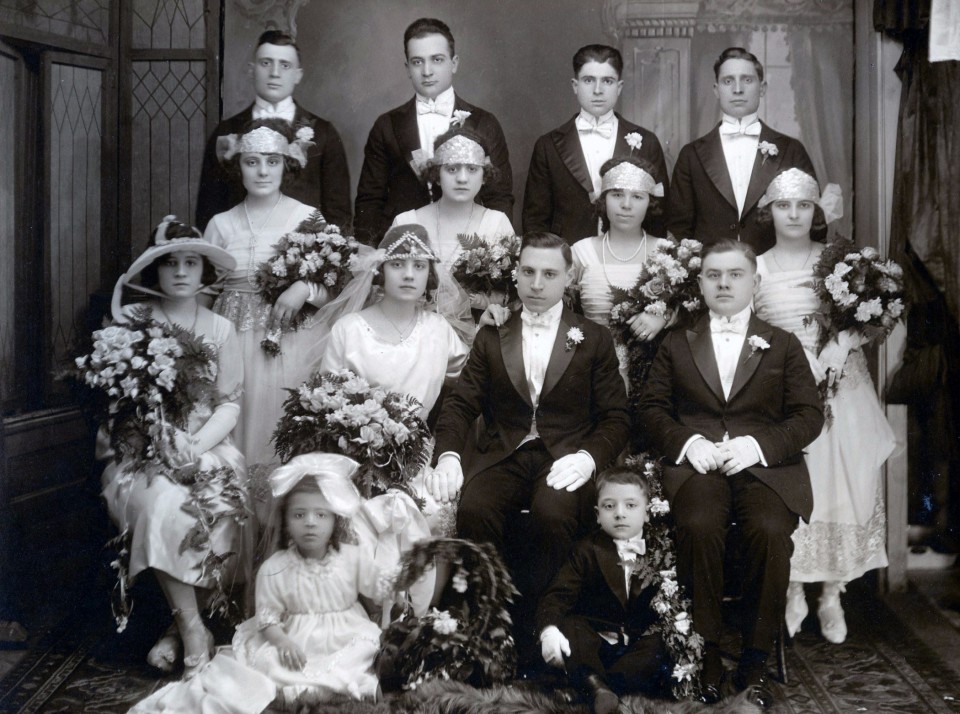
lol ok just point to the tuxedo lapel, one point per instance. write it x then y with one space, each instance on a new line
567 141
701 347
609 561
750 358
511 350
406 130
560 356
710 151
765 169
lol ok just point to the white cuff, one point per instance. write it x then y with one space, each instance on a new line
683 451
593 463
756 445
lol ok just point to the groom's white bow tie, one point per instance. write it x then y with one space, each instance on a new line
630 549
443 106
604 129
737 324
730 129
533 320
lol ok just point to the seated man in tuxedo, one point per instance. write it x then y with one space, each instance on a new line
730 404
323 184
401 141
719 177
553 410
564 177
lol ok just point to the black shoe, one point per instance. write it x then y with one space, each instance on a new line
756 690
605 701
710 694
712 674
759 695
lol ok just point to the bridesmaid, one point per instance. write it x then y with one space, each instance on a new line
265 154
846 533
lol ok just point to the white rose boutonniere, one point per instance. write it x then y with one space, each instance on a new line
574 337
459 117
757 343
634 140
305 133
768 149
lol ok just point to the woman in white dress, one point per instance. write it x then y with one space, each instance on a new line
459 167
615 258
846 534
264 154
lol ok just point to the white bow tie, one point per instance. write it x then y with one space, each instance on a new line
533 320
604 129
443 107
736 325
729 129
630 549
272 112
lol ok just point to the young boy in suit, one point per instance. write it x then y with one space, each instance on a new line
594 616
564 176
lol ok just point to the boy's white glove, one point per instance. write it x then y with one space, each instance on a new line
553 645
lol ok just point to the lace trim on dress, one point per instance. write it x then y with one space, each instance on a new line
855 371
249 311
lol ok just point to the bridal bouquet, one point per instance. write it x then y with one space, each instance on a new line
470 640
674 623
487 267
859 291
142 381
340 412
315 252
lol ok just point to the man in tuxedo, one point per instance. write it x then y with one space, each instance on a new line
720 177
554 411
401 141
324 182
564 177
730 404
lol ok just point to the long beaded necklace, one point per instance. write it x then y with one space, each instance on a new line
605 246
408 328
466 227
773 254
254 238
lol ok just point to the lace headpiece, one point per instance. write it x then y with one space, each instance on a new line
264 140
627 176
460 149
798 184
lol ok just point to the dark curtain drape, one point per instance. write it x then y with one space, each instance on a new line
925 238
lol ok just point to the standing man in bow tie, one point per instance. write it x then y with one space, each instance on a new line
323 184
720 177
553 410
730 404
401 141
564 177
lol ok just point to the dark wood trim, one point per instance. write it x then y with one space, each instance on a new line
52 39
124 137
214 39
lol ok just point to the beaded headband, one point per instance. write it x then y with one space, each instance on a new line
629 177
798 184
460 150
417 248
264 140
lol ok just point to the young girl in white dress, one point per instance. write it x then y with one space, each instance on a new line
147 503
460 167
264 154
614 259
846 533
311 635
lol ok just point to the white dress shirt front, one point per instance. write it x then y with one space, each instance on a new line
597 148
436 120
740 139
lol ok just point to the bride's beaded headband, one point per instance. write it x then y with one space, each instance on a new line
626 176
460 150
799 185
264 140
406 238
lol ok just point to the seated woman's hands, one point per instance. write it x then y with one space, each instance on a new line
494 315
646 326
290 654
290 302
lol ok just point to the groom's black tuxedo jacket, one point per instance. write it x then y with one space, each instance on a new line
583 403
591 584
774 399
701 202
388 185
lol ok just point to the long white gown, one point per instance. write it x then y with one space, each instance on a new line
846 534
265 377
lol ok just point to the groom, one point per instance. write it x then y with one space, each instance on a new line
730 404
553 410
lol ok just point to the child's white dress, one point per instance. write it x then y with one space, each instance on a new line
315 602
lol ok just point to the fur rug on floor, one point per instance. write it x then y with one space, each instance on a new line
455 698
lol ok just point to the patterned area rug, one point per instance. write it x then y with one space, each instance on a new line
84 666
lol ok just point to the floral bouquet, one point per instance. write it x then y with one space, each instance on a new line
314 252
858 291
340 412
487 267
674 623
142 381
667 285
470 640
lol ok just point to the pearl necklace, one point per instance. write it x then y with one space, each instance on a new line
466 228
605 246
254 238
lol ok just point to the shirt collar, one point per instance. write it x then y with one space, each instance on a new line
742 121
447 95
284 105
742 316
595 121
552 314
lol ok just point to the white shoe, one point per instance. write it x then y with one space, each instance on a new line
797 608
833 626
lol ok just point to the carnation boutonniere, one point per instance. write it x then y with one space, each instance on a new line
757 343
574 337
768 149
634 140
460 117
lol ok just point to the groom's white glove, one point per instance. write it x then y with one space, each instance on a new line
553 645
446 479
738 454
570 472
